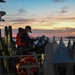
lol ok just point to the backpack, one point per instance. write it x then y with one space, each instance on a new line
20 42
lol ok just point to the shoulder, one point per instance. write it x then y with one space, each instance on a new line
24 34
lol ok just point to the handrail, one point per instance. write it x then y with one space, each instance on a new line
20 56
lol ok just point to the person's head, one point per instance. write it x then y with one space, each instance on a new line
20 29
28 29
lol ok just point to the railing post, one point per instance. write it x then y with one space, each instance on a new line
54 41
0 41
5 52
6 35
9 40
11 52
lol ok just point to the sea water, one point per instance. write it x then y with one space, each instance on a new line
65 40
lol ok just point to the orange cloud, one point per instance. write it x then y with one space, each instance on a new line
73 33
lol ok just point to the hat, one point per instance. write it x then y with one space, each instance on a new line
28 27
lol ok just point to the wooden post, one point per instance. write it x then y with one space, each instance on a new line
10 33
9 40
0 41
2 53
1 62
54 41
12 60
5 50
69 42
6 35
6 41
0 44
69 45
61 42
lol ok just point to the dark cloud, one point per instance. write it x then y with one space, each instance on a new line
59 0
24 20
22 10
18 23
63 11
20 20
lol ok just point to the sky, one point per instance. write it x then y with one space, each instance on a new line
46 17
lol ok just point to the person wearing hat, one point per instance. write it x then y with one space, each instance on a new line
23 39
28 29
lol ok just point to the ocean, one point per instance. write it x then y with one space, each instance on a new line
65 40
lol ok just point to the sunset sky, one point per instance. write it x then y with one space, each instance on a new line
46 17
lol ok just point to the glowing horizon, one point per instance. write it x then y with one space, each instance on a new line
41 15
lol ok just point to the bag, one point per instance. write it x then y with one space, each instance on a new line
20 42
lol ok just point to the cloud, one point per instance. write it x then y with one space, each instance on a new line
22 10
66 18
19 13
63 11
61 30
18 23
65 7
21 20
60 12
64 30
59 0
